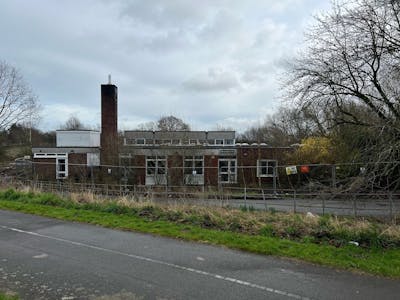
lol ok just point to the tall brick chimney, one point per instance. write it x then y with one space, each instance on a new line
109 121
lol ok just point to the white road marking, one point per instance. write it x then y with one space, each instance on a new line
200 258
43 255
155 261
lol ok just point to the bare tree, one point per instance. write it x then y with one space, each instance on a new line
172 123
148 126
285 127
73 123
350 70
17 101
352 57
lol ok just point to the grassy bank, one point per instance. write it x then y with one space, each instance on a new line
8 297
320 240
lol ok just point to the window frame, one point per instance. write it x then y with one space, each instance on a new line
267 167
61 174
231 175
157 168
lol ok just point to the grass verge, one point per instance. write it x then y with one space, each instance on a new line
8 297
374 260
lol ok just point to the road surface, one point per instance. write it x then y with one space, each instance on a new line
42 258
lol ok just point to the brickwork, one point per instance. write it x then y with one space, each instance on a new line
109 121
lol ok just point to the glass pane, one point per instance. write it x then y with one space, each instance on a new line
270 171
224 177
223 163
263 171
61 165
188 166
199 167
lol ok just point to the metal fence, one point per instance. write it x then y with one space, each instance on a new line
377 204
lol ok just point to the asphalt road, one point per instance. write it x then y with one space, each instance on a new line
370 207
43 258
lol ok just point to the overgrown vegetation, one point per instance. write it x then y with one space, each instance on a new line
318 239
328 229
8 297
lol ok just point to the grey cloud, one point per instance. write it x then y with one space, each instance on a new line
158 53
213 81
224 26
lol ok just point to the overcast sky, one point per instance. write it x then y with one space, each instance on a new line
209 62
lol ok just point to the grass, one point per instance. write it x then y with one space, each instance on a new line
8 297
256 232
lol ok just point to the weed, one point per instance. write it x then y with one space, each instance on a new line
267 230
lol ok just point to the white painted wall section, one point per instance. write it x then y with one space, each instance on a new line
78 138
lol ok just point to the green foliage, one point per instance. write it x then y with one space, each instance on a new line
267 230
8 297
325 229
114 208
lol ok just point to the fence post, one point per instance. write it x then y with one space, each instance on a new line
355 205
245 197
334 176
265 200
294 202
323 204
391 205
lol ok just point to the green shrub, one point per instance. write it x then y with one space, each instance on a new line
11 194
267 230
49 199
114 208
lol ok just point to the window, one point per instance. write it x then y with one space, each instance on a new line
176 142
219 142
229 141
227 170
140 141
194 165
193 169
192 142
156 165
266 168
156 170
61 167
149 141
